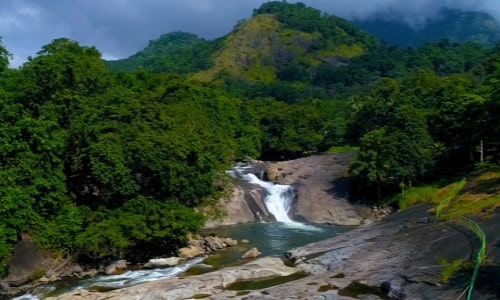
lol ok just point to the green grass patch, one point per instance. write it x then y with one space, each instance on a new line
415 195
451 268
342 149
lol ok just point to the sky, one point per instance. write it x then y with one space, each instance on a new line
120 28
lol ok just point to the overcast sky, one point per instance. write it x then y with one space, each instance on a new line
119 28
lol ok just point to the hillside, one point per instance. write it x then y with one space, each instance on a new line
286 42
280 41
453 25
174 52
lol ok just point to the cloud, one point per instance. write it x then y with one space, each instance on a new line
119 28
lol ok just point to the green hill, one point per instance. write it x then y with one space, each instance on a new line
453 25
174 52
286 42
281 41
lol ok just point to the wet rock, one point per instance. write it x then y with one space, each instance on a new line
206 284
163 262
322 188
191 251
252 253
115 268
245 241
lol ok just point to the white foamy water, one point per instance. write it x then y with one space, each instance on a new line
278 201
129 278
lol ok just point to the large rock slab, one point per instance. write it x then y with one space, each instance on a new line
322 188
401 254
245 204
191 286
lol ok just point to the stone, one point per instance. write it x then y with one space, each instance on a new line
322 188
245 241
230 242
3 285
115 268
164 262
190 251
252 253
214 243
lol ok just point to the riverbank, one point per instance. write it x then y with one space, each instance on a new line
401 257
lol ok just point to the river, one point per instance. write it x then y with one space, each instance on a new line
271 239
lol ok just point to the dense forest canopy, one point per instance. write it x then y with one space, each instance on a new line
106 163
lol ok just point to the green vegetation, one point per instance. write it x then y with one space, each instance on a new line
454 25
102 164
451 268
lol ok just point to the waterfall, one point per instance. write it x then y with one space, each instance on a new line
279 199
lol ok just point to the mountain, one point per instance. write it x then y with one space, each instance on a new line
174 52
280 41
453 25
287 42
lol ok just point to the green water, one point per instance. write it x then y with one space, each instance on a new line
273 239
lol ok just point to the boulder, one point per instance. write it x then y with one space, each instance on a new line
3 285
252 253
245 241
230 242
214 243
322 188
163 262
115 268
191 251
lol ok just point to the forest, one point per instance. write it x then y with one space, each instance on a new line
101 161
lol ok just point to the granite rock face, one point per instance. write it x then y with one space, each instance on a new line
322 188
401 254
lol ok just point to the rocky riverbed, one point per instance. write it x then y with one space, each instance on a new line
397 258
322 193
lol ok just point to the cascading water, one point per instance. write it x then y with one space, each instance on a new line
278 201
129 278
279 198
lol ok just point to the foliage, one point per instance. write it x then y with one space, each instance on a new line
104 165
175 52
451 268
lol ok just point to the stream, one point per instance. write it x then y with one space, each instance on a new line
271 239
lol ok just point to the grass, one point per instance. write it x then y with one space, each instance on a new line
342 149
451 268
480 195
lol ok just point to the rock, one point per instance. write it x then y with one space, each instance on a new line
322 188
3 285
230 242
252 253
43 280
368 297
214 243
163 262
191 251
399 254
245 204
25 262
245 241
206 284
116 268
